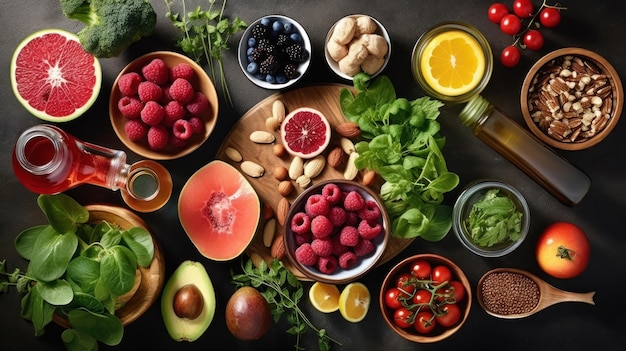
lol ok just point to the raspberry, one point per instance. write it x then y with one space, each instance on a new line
338 247
181 70
165 97
173 112
156 71
370 211
332 193
306 255
364 247
347 260
337 216
157 137
349 236
182 91
353 219
128 83
130 107
316 205
198 105
327 265
152 113
149 91
354 201
300 223
176 142
135 129
321 227
182 129
322 247
369 230
197 125
302 238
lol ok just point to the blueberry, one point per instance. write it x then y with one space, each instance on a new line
277 26
249 51
288 27
252 68
251 42
266 21
295 37
259 76
281 79
270 79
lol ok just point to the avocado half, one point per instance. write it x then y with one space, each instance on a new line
184 329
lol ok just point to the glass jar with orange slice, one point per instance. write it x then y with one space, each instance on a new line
452 62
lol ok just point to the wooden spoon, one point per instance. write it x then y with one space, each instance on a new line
548 294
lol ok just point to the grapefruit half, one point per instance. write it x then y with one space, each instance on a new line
305 132
53 77
219 210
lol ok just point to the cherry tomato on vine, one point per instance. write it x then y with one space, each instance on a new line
402 317
424 322
510 56
459 290
510 24
523 8
441 274
497 11
550 17
392 298
533 39
451 314
422 296
421 269
453 292
403 283
563 250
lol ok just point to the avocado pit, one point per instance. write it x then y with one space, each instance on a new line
188 302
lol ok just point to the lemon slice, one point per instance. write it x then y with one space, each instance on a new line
324 297
354 302
452 63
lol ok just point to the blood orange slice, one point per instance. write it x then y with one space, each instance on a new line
53 77
305 132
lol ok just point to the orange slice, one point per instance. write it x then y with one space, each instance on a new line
354 302
324 297
452 63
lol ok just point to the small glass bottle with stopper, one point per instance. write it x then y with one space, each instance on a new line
47 160
559 177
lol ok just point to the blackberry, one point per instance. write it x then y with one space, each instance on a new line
256 55
270 65
266 46
296 53
291 71
282 40
259 31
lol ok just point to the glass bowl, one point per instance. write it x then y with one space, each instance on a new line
463 206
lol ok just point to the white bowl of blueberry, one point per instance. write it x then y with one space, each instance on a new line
274 52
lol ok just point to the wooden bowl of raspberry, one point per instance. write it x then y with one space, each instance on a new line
336 231
163 105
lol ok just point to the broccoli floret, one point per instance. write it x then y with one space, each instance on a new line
111 25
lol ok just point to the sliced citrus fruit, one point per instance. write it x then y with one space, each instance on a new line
305 132
453 63
324 297
53 77
354 302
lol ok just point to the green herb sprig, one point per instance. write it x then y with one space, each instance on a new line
76 270
494 219
283 292
206 33
402 143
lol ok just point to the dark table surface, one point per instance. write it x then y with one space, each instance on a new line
598 26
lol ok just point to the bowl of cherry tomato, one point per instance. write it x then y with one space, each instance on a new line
425 298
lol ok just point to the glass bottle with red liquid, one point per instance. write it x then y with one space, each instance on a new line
47 160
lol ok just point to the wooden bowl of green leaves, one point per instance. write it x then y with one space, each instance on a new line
491 218
92 269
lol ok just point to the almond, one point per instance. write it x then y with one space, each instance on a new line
262 137
351 171
303 181
269 230
278 111
285 187
348 130
233 154
281 210
278 247
272 124
296 168
369 178
335 157
252 169
347 145
313 167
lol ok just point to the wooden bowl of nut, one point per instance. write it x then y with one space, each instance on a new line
572 98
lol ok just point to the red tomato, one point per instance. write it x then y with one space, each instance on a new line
421 269
453 292
563 250
497 11
403 282
425 322
523 8
441 274
402 317
510 56
533 39
510 24
393 298
422 297
459 290
550 17
451 315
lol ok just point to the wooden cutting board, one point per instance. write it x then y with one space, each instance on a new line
324 98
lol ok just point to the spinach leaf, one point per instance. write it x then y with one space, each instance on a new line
118 269
77 341
84 272
57 292
104 327
140 242
54 252
62 211
25 241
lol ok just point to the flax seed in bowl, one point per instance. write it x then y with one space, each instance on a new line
572 98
